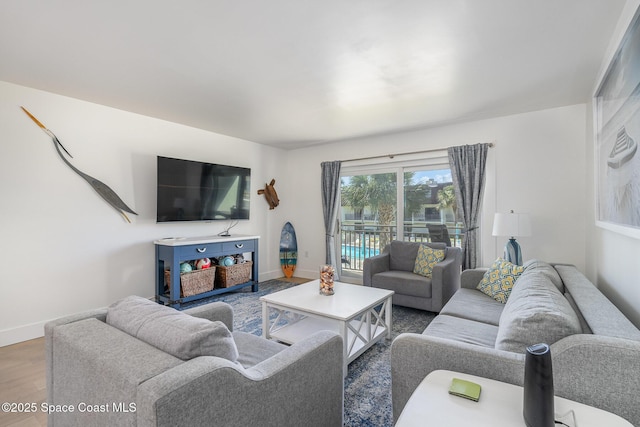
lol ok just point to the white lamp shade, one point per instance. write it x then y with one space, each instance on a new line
511 224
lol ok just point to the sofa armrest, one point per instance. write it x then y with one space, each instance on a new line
599 371
100 314
470 278
97 364
302 382
374 265
445 278
413 356
214 311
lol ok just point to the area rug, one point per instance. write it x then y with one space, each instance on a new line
367 394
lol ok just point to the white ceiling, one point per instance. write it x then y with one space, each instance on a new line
291 73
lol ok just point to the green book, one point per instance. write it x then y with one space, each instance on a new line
466 389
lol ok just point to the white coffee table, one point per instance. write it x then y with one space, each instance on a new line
500 405
360 314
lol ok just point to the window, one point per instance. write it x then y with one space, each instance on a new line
368 216
375 204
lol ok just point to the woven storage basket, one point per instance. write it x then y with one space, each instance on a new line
233 274
194 282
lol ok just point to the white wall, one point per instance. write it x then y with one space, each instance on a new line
613 258
538 166
65 250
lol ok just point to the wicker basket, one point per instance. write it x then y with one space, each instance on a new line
194 282
233 274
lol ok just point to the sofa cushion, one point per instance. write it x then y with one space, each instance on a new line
426 259
176 333
535 266
536 312
403 282
472 304
462 330
253 349
499 279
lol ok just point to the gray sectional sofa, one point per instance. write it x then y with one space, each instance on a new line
595 349
138 363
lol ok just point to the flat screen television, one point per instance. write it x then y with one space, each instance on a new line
196 191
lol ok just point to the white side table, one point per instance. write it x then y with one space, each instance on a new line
500 404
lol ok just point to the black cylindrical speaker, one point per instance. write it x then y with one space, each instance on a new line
538 407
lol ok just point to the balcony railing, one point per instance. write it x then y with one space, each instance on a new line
363 240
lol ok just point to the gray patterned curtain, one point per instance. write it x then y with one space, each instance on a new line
467 164
330 208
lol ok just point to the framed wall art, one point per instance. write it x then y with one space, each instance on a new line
617 133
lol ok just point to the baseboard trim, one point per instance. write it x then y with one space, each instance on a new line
21 333
269 275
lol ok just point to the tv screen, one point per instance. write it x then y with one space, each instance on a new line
197 191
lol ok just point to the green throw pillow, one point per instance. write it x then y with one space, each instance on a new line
425 260
498 281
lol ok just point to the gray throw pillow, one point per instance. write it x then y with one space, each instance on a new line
536 312
172 331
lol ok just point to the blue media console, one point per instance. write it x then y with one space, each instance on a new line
171 252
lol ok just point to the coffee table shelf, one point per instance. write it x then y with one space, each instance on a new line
361 315
294 332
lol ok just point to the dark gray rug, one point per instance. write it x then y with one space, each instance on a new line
367 393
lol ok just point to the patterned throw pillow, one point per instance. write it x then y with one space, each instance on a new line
498 281
425 260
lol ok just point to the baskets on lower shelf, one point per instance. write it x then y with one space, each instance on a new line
233 274
194 282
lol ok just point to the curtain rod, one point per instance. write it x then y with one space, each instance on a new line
391 156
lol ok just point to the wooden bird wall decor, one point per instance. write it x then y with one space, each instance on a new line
270 194
100 187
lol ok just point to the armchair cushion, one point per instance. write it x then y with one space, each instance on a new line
403 254
404 282
253 349
171 331
426 259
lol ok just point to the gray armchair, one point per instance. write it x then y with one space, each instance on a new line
393 270
110 377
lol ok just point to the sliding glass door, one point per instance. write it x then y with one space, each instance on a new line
414 203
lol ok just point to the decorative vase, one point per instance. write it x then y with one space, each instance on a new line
538 409
326 280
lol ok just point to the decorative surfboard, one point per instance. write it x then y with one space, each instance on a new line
288 250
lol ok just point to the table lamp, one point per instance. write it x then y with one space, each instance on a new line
513 225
